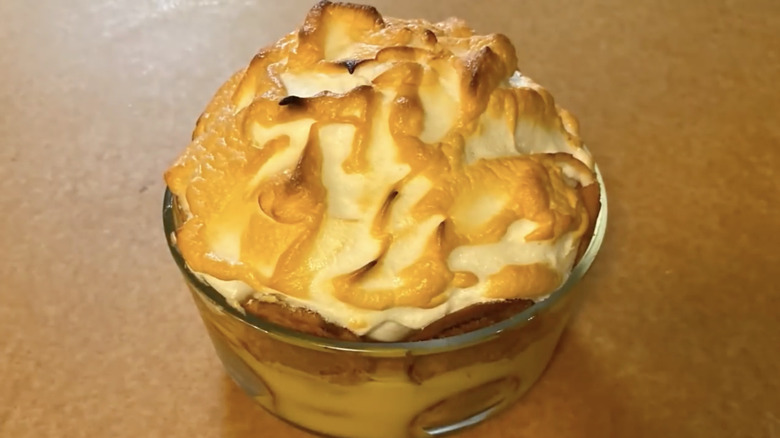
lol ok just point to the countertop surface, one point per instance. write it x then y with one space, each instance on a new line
678 100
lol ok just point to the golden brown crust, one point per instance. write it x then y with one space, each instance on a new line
471 318
298 319
463 321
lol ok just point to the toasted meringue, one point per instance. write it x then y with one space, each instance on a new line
383 173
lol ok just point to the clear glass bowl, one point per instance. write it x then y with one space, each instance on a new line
385 390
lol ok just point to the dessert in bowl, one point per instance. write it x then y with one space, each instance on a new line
381 221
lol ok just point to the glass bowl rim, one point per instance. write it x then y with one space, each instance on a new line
430 346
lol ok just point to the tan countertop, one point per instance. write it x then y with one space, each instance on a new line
678 100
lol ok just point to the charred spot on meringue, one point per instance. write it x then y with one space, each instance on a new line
441 231
293 101
430 37
363 270
385 210
351 64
